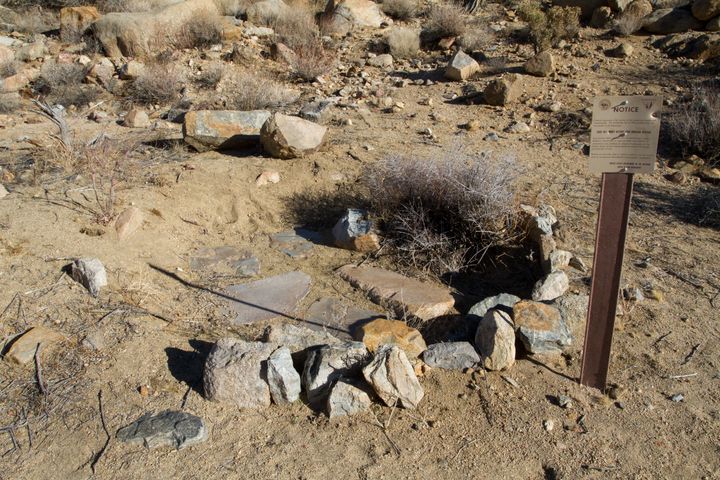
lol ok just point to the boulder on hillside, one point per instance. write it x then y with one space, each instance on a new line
356 13
284 136
671 20
705 9
206 130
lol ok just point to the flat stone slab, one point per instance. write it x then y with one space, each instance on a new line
166 429
226 259
291 244
405 295
22 348
337 317
223 130
268 298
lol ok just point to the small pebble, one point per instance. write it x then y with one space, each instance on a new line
565 401
678 397
548 425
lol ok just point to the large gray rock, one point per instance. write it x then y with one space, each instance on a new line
551 287
223 130
346 400
574 309
284 136
358 13
451 356
461 67
502 91
495 340
268 298
502 300
298 338
392 377
541 65
283 379
354 231
236 373
705 9
166 429
671 20
329 363
406 296
90 272
541 327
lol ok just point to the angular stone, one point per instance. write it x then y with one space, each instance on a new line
22 348
75 20
7 55
3 191
166 429
546 247
355 232
541 65
451 356
495 340
559 259
90 272
31 51
337 317
128 222
320 111
18 81
705 9
282 53
502 300
131 70
269 298
298 338
381 61
291 244
267 177
540 327
384 332
359 13
574 309
671 20
284 136
329 363
461 67
623 50
502 91
206 130
393 378
136 118
406 296
236 373
551 287
283 379
346 400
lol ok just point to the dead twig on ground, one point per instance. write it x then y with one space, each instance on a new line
690 355
56 115
99 455
384 427
38 372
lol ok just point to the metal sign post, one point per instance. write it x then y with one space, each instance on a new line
625 133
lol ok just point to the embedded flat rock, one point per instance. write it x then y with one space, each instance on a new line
404 295
168 428
338 318
268 298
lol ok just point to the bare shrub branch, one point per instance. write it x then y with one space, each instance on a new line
156 84
444 20
63 83
403 42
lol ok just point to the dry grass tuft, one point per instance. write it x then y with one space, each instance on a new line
62 83
8 69
477 38
403 42
210 76
444 20
693 127
401 9
9 102
447 213
249 91
202 31
548 27
311 61
157 84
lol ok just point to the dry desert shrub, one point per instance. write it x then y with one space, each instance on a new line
693 126
403 42
202 31
627 25
8 69
248 91
157 84
709 207
296 28
401 9
446 213
548 27
210 76
62 83
311 61
444 20
9 102
477 37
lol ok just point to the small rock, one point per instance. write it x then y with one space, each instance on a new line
518 127
577 263
283 379
502 91
298 338
623 50
236 373
268 176
90 272
678 397
451 356
3 191
559 259
551 287
286 137
166 429
392 377
22 348
541 65
381 61
382 331
318 112
136 118
541 327
354 231
128 222
327 364
461 67
564 401
31 51
346 400
502 300
573 308
495 340
548 425
131 70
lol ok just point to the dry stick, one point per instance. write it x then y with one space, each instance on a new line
691 354
107 433
38 370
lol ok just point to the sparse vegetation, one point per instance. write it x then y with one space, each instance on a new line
9 102
249 91
156 84
444 20
62 83
693 127
548 27
476 38
202 31
403 42
297 29
627 24
709 207
210 76
447 213
8 69
311 60
401 9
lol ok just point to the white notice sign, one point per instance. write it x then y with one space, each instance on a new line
624 134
